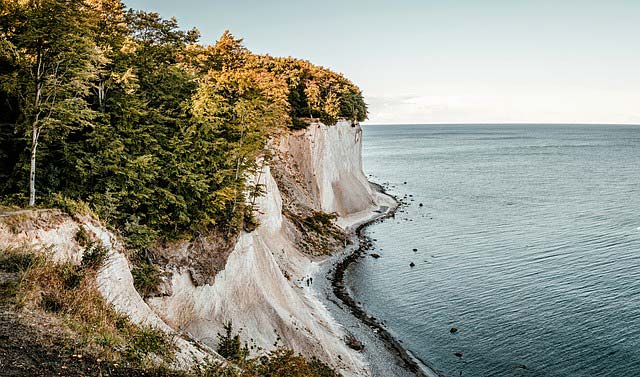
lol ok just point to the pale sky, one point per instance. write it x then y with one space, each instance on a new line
450 61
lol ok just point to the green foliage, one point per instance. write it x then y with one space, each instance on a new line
69 292
139 237
285 362
11 261
315 92
147 341
134 120
53 61
71 206
319 221
82 237
281 362
146 278
230 346
94 256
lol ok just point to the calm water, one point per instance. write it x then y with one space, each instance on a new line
528 242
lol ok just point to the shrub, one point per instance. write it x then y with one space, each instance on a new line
52 302
8 291
137 236
282 361
320 221
230 346
82 237
94 256
69 292
72 207
15 260
72 276
146 278
145 342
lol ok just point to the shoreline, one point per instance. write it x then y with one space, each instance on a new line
336 275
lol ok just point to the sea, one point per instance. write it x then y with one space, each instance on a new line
525 245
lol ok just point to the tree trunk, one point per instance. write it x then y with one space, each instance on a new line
32 171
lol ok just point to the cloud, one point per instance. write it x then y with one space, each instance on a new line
580 106
432 109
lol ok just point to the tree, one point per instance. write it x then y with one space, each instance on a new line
312 91
240 109
111 36
230 346
56 62
124 110
331 109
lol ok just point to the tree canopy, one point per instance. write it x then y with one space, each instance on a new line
126 111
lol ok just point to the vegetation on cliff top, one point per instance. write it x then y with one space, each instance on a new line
127 112
124 114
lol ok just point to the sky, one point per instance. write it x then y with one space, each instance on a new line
450 61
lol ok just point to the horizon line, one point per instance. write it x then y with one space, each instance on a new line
500 123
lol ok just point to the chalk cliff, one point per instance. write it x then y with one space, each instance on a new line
264 285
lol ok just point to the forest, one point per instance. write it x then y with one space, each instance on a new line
127 114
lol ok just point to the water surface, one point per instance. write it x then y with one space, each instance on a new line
528 243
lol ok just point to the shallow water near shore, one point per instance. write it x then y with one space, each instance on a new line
528 243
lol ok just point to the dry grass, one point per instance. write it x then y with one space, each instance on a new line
69 293
14 223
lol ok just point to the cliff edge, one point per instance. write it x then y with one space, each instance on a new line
314 192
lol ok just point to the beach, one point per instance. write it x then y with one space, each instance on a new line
384 353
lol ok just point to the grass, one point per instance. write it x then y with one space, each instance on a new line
15 222
69 293
319 232
12 260
281 362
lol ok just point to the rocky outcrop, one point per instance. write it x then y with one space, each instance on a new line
329 162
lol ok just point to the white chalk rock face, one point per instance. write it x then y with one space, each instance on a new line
48 228
115 284
253 291
330 157
263 288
